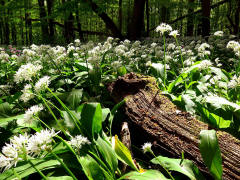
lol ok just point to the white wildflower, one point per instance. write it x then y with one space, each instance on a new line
42 84
27 93
31 113
5 163
26 72
147 147
41 141
78 141
162 28
174 34
218 33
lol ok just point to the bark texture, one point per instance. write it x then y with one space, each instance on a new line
171 131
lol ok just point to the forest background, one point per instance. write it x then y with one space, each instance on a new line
24 22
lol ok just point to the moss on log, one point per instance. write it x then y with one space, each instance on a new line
171 129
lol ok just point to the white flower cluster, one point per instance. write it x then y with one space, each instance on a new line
218 34
235 46
205 64
4 57
26 72
174 34
162 28
27 93
78 141
5 89
202 50
234 82
42 84
147 147
31 113
22 146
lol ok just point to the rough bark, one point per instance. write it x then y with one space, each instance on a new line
190 24
172 132
136 26
44 23
206 9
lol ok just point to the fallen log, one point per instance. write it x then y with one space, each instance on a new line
171 130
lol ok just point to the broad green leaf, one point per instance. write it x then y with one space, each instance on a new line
91 119
221 103
91 168
219 73
185 166
4 121
105 113
123 153
121 71
5 110
74 98
180 79
60 177
217 121
24 169
145 175
210 152
108 153
68 119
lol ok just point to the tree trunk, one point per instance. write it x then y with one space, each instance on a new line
44 24
206 17
120 15
190 25
107 20
136 27
147 15
50 19
171 131
79 26
236 28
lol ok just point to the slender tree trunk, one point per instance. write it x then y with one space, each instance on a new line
236 28
14 33
44 24
136 27
190 25
147 15
107 20
50 19
120 15
206 17
79 26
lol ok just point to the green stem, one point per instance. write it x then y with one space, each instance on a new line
182 62
65 166
41 174
55 118
164 76
163 166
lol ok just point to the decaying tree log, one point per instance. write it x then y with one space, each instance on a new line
172 130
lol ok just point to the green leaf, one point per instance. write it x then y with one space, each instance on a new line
219 73
146 175
185 166
74 98
91 119
123 153
24 169
121 71
210 152
60 177
5 110
108 153
4 121
217 121
91 168
180 79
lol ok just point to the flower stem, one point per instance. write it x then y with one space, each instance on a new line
41 174
163 166
65 166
